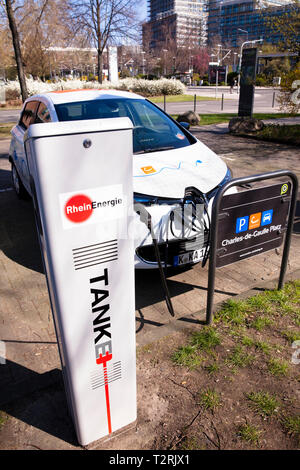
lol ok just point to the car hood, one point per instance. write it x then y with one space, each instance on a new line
168 173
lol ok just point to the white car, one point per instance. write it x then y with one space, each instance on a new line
175 176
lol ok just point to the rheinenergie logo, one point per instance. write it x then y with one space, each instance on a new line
80 207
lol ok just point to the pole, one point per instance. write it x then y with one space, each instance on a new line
222 102
273 101
289 230
195 101
165 107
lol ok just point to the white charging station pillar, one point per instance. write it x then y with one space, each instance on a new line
81 180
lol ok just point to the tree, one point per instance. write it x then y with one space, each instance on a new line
200 61
289 98
286 26
6 52
105 22
17 48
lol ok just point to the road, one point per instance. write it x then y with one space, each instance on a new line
263 101
9 115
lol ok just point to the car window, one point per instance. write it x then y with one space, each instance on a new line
43 114
149 117
153 129
28 114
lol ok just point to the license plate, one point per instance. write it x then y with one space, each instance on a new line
189 257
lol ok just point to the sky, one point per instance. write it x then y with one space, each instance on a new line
142 10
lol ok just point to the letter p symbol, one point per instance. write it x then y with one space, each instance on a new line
241 224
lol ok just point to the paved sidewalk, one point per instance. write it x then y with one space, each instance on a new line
32 395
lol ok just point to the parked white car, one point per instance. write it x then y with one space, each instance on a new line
175 176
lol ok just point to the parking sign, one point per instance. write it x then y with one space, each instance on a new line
253 222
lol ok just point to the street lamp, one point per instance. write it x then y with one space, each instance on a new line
244 31
234 61
143 61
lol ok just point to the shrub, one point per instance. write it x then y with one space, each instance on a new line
289 98
144 87
261 80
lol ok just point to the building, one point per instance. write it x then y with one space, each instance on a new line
231 22
182 22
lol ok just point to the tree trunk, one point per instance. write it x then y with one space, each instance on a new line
100 65
17 49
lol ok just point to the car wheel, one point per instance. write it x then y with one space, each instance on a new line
17 184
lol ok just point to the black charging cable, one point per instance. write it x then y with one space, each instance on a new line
146 218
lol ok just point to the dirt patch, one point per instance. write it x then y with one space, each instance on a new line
240 394
229 386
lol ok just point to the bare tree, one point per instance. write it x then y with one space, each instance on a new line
105 22
17 48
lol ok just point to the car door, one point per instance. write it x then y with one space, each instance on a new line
19 157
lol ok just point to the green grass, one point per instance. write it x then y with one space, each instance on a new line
247 341
212 368
219 118
3 418
260 345
187 356
233 312
192 443
263 403
240 358
261 322
289 134
292 425
209 399
291 336
201 341
179 98
5 128
249 433
260 303
206 339
263 346
278 367
264 306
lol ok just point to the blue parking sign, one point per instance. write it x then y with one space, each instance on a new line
242 224
266 217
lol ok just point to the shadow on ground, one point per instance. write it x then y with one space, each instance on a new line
38 400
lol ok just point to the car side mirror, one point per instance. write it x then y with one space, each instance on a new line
185 125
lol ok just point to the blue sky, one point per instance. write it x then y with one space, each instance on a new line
142 10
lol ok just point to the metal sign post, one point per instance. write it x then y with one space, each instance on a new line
248 223
81 181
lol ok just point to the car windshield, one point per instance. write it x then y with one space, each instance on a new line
153 130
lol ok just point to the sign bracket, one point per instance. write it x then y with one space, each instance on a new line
215 225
